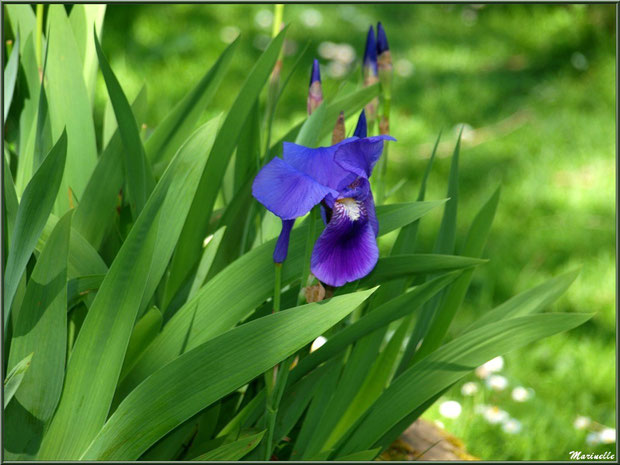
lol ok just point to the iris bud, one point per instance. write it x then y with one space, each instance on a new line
339 131
384 61
315 91
370 73
361 130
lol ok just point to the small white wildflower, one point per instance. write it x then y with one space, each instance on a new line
440 424
495 415
511 426
608 436
404 67
263 18
469 389
450 409
521 394
497 382
345 53
318 342
593 438
311 17
336 69
581 422
482 372
496 364
327 50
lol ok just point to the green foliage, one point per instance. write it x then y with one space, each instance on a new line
132 337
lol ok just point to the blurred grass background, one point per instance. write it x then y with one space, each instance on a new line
534 87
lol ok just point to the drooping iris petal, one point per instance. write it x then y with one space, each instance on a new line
287 192
347 249
281 249
339 258
319 163
361 155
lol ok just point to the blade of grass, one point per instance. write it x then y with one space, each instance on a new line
138 173
41 326
232 451
86 21
15 377
392 267
34 209
445 243
453 298
10 76
69 106
95 214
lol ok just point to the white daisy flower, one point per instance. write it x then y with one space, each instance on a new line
608 436
450 409
497 382
469 389
581 422
512 426
492 366
495 415
521 394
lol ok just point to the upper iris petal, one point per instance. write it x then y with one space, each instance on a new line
319 163
286 191
361 155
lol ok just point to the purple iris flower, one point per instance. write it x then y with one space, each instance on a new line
337 178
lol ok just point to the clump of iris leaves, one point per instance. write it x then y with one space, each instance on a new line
129 336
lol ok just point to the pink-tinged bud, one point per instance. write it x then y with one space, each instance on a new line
384 126
384 60
315 91
339 130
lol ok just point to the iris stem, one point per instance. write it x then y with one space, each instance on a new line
277 378
387 100
271 375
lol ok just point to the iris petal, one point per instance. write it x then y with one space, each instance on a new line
287 192
369 205
347 249
319 163
281 250
361 155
